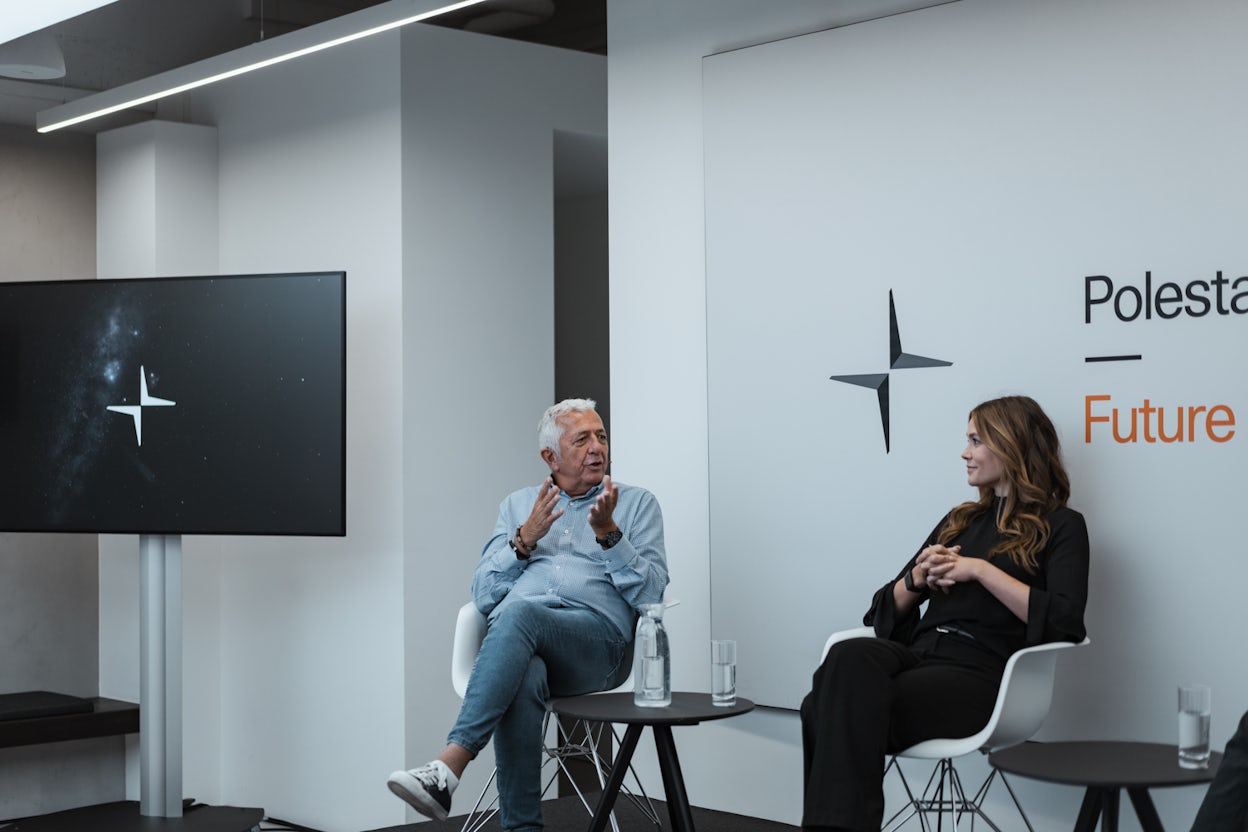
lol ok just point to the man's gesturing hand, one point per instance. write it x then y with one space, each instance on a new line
543 515
600 519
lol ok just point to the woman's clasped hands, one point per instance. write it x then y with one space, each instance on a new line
944 566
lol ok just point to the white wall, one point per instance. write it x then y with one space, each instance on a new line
311 644
479 116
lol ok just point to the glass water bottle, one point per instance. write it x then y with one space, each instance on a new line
652 660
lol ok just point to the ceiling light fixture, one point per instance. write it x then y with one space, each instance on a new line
349 27
33 57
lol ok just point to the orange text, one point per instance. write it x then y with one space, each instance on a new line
1150 423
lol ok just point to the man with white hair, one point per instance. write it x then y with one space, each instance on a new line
569 563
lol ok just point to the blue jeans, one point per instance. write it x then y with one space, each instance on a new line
531 653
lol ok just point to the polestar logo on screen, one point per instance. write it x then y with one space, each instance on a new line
136 410
897 360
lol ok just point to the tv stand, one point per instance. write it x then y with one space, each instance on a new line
160 717
160 675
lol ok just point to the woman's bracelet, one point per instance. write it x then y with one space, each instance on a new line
908 580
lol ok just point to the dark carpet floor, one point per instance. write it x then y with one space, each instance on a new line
567 814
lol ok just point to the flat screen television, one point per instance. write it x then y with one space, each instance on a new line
180 405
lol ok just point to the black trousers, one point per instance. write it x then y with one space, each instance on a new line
872 697
1225 807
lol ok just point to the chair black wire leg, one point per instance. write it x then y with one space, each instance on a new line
911 806
975 806
946 787
478 817
945 796
958 804
933 792
567 748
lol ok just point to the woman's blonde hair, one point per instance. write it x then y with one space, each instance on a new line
1017 430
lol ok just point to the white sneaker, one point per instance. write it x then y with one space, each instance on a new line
427 789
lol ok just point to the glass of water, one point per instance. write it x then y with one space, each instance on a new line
723 672
1194 711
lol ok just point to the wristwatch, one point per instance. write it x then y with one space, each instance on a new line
909 581
611 539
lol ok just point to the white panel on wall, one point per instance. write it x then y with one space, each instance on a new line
980 161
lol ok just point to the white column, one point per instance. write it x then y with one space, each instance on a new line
157 198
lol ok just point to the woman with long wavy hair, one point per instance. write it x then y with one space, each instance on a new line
1000 573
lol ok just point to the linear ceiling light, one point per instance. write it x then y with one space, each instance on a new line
361 24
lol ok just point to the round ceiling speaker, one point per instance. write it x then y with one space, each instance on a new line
33 57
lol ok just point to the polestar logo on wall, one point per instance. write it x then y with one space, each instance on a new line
136 410
897 360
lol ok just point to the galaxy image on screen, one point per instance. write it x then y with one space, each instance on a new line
189 405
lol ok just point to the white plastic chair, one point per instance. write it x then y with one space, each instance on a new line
470 628
1023 702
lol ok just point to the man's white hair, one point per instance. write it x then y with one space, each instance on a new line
550 432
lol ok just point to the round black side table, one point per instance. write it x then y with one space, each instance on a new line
1104 768
686 709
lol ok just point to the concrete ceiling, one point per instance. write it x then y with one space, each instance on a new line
126 40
